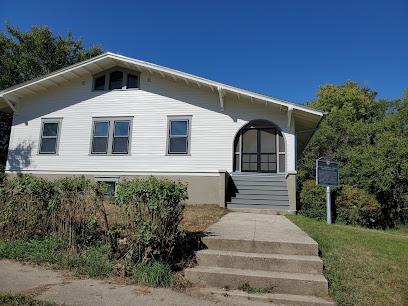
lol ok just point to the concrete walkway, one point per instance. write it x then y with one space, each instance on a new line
61 287
267 234
258 227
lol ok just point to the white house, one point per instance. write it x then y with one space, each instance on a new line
113 117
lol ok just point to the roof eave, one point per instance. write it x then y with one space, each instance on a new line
142 65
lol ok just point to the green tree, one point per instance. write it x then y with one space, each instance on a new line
369 138
27 55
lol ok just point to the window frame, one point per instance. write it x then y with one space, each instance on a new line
111 130
110 180
58 137
107 73
187 118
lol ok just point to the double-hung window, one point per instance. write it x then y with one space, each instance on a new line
179 135
50 131
111 135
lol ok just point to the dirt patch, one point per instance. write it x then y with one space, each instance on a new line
41 289
198 217
139 291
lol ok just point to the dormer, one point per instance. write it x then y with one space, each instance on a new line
116 78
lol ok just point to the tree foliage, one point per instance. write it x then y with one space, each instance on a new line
369 138
27 55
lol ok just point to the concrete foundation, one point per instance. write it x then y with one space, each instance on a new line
202 189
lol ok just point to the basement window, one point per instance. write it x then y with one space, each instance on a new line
111 182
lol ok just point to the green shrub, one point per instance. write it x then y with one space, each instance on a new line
2 175
313 200
153 274
357 207
26 207
70 208
156 208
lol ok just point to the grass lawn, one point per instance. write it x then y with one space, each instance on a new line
363 266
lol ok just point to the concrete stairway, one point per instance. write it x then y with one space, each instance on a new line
290 265
258 191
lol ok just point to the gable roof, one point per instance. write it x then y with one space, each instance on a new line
108 60
306 118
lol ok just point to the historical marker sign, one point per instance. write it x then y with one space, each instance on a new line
327 172
327 175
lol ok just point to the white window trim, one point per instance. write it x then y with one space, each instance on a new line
111 121
50 120
107 73
109 179
187 118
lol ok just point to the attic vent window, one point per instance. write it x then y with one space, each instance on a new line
116 78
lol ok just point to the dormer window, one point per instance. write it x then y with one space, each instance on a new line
100 83
132 81
116 78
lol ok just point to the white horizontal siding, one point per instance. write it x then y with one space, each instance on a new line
212 131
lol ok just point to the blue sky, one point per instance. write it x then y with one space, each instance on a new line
284 49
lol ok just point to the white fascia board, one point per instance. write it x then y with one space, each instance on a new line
211 83
52 75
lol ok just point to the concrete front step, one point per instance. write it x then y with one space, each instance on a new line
286 283
274 299
255 261
259 246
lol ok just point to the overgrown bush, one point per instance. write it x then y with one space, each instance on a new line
27 207
357 207
69 208
2 175
350 205
313 200
155 207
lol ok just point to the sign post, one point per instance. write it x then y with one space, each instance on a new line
327 175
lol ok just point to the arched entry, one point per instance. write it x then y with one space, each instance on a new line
259 147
